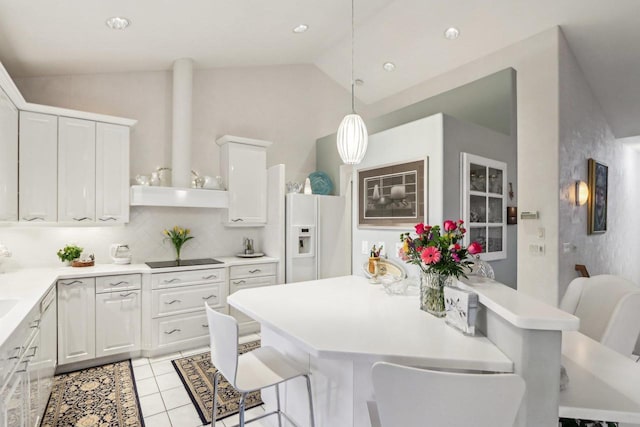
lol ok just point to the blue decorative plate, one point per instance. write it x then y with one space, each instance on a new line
321 183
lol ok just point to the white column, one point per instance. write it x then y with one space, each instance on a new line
182 105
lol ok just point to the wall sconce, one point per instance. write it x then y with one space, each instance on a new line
582 193
512 215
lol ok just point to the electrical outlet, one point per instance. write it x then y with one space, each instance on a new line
536 249
365 247
567 247
541 233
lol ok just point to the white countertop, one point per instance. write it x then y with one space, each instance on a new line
348 318
603 384
517 308
28 286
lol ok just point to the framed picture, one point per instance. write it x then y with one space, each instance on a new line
483 192
393 196
598 186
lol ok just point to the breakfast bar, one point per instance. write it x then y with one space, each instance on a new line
340 327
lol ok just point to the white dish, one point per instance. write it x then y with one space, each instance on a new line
253 255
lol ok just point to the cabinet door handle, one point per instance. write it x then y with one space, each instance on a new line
205 326
210 296
18 351
257 270
239 282
26 365
33 218
72 283
172 331
122 282
84 218
35 351
237 220
35 324
211 276
108 218
175 279
127 294
172 301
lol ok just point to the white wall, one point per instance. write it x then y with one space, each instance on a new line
536 63
412 141
290 105
584 134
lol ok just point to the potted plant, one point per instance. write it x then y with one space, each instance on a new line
69 253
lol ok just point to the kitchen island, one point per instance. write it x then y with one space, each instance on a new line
340 327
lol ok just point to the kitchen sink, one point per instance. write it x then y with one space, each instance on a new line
6 305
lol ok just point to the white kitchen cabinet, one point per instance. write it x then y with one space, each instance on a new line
76 170
112 173
117 322
9 159
46 358
38 172
245 277
243 163
76 320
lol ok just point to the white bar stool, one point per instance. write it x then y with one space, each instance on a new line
252 371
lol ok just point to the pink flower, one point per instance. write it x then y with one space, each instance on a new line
449 225
474 248
455 257
463 230
454 247
420 229
460 222
402 255
430 255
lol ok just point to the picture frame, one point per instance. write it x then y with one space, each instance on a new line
393 195
598 196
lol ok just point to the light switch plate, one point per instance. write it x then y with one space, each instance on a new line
365 247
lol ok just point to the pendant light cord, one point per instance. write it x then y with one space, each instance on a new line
353 83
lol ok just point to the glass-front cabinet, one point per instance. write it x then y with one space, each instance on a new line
484 183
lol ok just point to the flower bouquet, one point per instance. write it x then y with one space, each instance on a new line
440 256
178 236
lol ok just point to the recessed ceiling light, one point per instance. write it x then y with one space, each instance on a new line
389 66
452 33
117 23
301 28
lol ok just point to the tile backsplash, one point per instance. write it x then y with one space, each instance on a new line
36 245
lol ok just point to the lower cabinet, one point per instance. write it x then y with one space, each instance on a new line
96 321
117 322
76 320
245 277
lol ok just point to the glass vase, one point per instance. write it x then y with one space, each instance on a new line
178 249
432 292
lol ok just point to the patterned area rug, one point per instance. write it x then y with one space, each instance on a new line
103 396
196 373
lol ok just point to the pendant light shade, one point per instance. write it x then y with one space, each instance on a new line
352 139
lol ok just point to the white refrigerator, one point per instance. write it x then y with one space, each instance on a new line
318 237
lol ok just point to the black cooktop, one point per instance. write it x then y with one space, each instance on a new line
182 263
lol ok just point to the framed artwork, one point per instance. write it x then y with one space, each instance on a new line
393 196
484 188
598 194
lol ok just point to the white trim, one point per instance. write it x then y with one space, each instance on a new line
226 139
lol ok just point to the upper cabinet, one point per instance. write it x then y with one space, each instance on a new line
8 159
38 167
243 163
112 173
76 170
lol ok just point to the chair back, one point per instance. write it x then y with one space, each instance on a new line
609 310
411 397
223 333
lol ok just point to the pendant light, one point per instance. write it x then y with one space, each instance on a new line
352 137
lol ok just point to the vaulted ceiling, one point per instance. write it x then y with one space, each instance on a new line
43 37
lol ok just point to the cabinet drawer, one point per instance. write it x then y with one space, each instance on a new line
181 278
174 329
181 300
250 282
251 270
76 282
118 283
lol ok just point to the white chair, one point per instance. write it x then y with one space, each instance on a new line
609 310
252 371
411 397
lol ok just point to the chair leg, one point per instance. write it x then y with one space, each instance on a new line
215 398
278 404
242 399
311 415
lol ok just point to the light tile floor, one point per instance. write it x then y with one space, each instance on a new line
164 400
